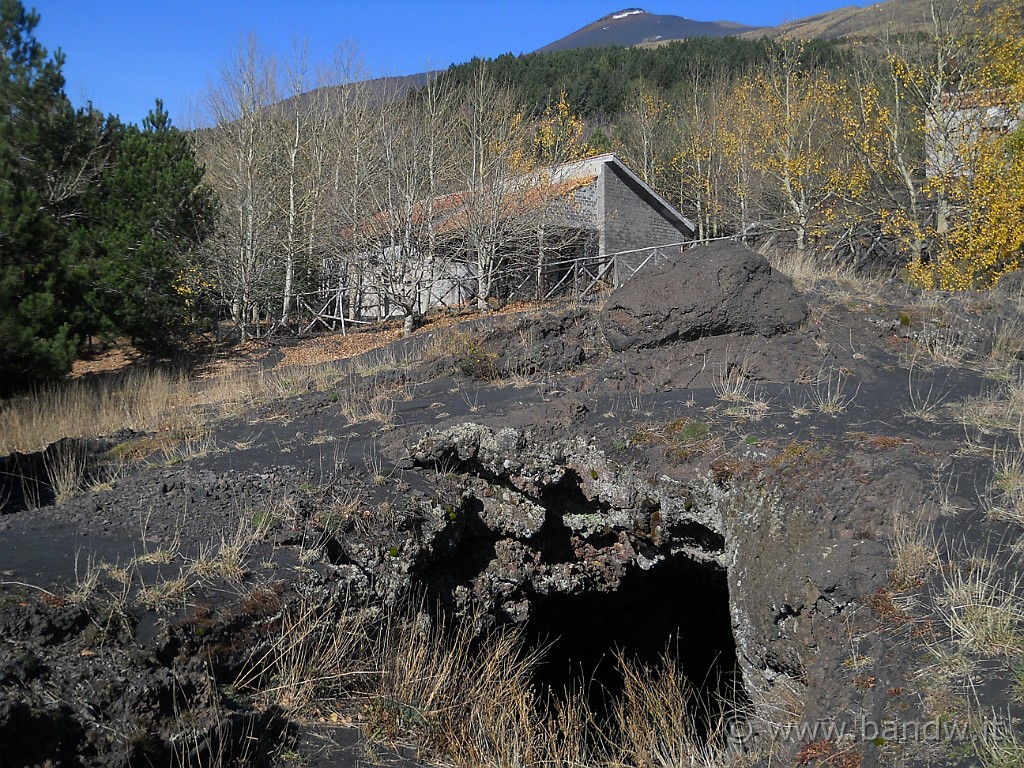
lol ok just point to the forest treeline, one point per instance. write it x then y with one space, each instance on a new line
311 190
864 155
599 82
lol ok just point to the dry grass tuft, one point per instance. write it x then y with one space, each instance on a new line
190 441
913 550
467 351
463 696
733 385
468 700
925 404
343 512
1005 501
982 609
87 580
942 343
165 595
66 464
228 558
1008 341
1000 747
139 400
812 270
829 394
808 268
385 360
1000 410
316 662
658 725
374 463
414 676
373 399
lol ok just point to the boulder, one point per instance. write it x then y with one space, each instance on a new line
707 291
1011 284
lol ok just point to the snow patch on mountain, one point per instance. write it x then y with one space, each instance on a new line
630 12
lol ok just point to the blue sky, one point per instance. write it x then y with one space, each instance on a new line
123 54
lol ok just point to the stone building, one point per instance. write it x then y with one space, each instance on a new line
579 226
959 121
624 212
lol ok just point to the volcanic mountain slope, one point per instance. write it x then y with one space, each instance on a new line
633 26
879 20
637 27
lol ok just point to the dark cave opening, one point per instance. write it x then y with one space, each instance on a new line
679 607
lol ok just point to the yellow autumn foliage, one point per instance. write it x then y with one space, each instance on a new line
801 126
559 134
988 237
985 239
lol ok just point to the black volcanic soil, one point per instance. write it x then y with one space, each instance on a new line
708 455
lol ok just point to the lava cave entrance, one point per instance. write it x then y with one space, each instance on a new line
679 607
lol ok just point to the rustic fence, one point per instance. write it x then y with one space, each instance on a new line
339 306
583 276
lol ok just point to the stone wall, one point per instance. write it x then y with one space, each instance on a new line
630 222
585 204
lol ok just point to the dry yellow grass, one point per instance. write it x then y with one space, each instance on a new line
982 609
810 270
139 400
408 675
112 392
913 549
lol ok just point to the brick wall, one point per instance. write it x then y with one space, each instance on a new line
585 200
630 221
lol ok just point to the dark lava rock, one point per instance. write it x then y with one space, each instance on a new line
707 291
1011 284
31 736
26 479
44 625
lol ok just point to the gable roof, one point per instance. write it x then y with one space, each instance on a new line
449 212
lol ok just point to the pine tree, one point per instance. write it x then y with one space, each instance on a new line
97 219
39 145
152 212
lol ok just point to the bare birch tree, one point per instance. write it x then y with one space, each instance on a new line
238 151
319 148
644 134
703 152
414 151
296 132
800 152
351 139
496 160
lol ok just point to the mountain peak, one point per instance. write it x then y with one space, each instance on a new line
635 26
623 14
